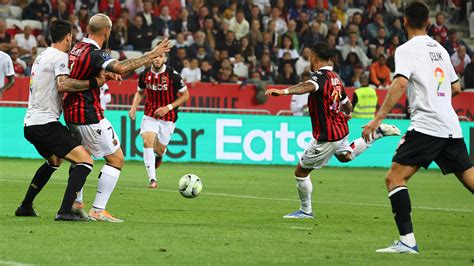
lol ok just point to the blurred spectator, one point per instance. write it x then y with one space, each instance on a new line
336 31
255 34
139 35
280 24
191 74
202 14
302 24
355 79
293 34
460 60
201 54
469 74
357 20
240 68
37 10
119 36
334 20
183 24
439 28
207 73
5 11
321 19
266 44
373 28
177 58
18 65
61 11
380 73
275 37
303 64
239 25
220 57
173 5
181 42
353 28
364 100
354 48
379 40
288 77
287 46
200 41
165 23
397 29
299 102
340 10
313 35
230 11
471 24
83 17
347 68
6 41
226 75
255 14
262 4
76 27
230 44
27 41
247 51
453 43
111 8
295 11
391 6
266 68
151 20
210 31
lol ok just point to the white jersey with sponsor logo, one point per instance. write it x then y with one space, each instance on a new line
6 68
427 66
45 102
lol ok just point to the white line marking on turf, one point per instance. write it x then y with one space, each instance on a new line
14 263
278 199
300 228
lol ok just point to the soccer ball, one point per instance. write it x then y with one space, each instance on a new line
190 186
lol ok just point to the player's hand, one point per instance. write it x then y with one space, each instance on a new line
132 114
163 47
370 128
112 76
348 116
274 92
162 111
101 79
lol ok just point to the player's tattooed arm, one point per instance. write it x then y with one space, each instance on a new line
301 88
123 67
67 84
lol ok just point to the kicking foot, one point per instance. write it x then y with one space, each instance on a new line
153 184
70 217
299 214
398 247
25 212
103 216
78 210
388 130
158 161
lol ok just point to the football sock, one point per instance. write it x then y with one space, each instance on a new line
359 146
305 189
41 177
108 178
149 159
401 209
79 194
76 181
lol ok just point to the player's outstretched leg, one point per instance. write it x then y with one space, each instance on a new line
108 178
305 190
359 145
41 177
149 157
78 205
396 180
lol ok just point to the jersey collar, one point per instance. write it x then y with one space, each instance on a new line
162 70
87 40
326 68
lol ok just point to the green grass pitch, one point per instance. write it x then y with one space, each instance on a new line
237 219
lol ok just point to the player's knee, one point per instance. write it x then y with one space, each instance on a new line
160 151
302 172
54 161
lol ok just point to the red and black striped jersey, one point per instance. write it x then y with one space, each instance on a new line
161 88
86 60
324 103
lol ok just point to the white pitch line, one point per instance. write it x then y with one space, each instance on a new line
280 199
13 263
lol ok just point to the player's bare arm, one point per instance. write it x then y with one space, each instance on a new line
455 88
347 109
395 91
123 67
301 88
10 82
183 97
67 84
136 101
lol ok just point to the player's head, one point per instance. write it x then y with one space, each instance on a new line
100 26
416 16
159 61
320 55
61 30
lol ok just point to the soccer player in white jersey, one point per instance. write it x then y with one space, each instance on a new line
52 140
6 70
424 69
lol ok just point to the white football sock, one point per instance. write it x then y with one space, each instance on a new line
108 178
408 239
79 196
149 159
305 189
359 146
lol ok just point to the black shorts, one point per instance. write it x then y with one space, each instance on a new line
421 150
51 139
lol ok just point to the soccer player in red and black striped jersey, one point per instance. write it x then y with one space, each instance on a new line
83 112
165 92
330 109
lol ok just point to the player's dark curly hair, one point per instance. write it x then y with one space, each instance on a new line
322 50
59 29
417 14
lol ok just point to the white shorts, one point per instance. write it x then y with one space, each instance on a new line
318 155
99 139
163 129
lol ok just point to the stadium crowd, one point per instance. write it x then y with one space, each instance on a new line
249 41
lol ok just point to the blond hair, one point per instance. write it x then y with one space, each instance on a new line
99 22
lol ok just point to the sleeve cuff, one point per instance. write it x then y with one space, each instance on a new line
183 89
345 100
106 63
454 81
316 86
140 89
400 75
